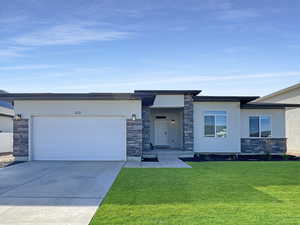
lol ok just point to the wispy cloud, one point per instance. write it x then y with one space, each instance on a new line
27 67
235 14
12 20
12 51
69 35
133 84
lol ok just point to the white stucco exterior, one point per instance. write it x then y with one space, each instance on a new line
168 101
6 134
6 130
119 108
102 112
277 121
289 95
231 143
6 124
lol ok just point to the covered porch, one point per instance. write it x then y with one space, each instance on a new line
166 129
168 125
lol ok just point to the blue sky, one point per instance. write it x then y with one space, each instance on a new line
223 47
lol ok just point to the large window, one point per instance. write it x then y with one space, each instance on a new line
215 124
260 126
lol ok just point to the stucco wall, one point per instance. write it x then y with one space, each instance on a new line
293 129
111 108
6 124
290 97
231 143
292 117
277 117
168 101
6 134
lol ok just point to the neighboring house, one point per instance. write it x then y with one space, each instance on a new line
6 127
290 95
124 126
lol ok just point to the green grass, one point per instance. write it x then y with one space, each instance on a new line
216 193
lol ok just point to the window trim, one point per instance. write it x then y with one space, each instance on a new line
212 114
259 120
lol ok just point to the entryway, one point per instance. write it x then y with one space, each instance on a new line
166 126
161 127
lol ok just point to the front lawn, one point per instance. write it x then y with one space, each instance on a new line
216 193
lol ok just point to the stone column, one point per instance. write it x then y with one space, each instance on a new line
264 145
188 123
21 142
134 140
146 127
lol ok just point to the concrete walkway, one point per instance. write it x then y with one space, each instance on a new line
166 159
54 193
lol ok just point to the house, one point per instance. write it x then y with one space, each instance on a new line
123 126
290 95
6 127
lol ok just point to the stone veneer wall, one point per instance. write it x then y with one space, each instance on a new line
146 127
188 123
134 140
263 145
21 142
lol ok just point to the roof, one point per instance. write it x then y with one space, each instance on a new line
68 96
268 106
147 99
170 92
241 99
282 91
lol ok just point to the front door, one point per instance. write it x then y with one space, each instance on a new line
161 131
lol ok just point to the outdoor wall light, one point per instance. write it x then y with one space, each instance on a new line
18 117
172 121
133 116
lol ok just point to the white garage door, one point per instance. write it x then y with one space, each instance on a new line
78 138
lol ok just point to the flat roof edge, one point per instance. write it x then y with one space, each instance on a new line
242 99
170 92
268 106
69 96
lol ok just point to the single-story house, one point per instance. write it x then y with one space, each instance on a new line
122 126
290 95
6 127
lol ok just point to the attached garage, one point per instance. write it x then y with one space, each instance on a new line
77 126
78 138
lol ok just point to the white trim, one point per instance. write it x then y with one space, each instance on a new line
259 120
211 114
30 129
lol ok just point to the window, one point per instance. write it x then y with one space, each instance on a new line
260 126
215 124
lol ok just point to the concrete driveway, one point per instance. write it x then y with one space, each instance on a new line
54 193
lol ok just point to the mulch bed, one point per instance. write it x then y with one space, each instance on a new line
203 158
150 160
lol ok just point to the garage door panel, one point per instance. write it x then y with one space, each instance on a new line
78 138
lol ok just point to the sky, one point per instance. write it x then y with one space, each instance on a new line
222 47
